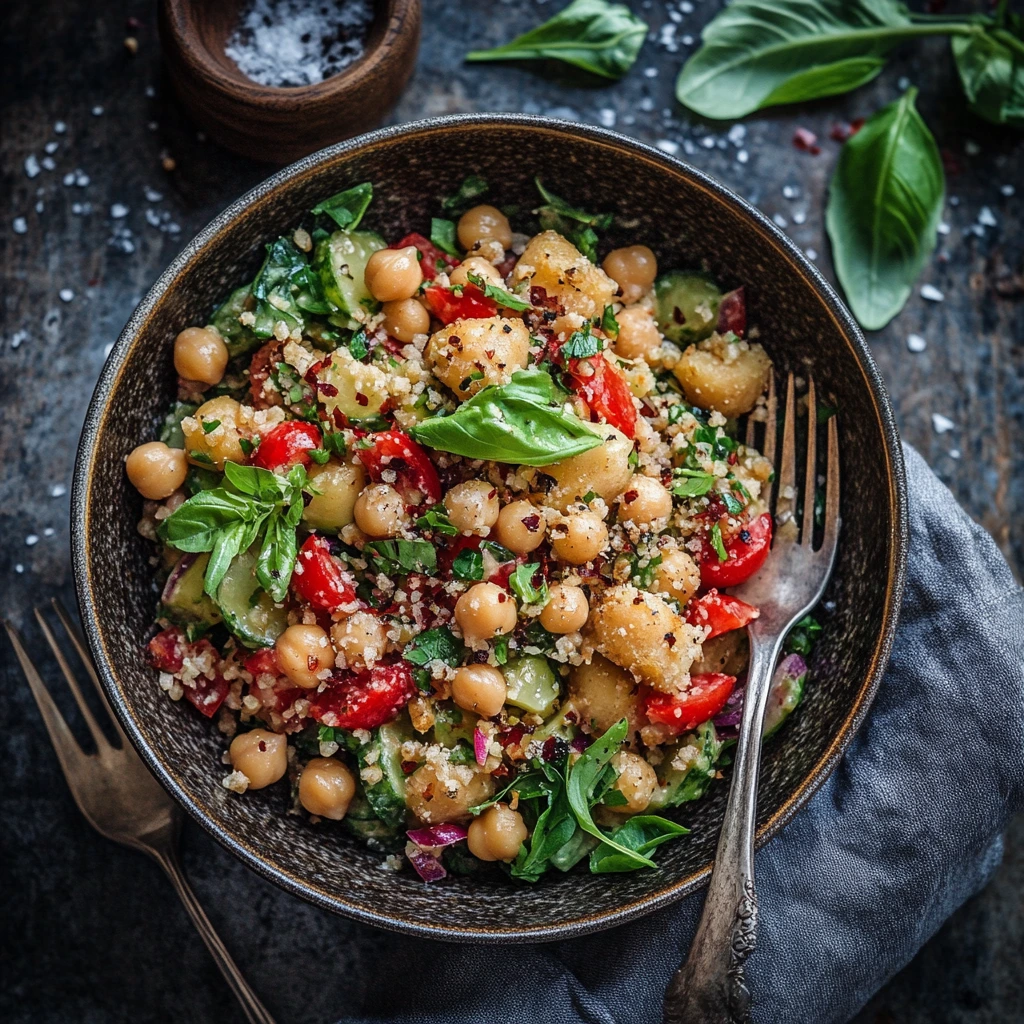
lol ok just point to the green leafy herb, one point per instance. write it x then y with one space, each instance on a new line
521 582
469 191
321 456
522 422
247 446
334 442
732 504
209 426
718 544
581 344
640 835
594 35
500 296
691 483
357 345
442 234
609 324
555 205
991 68
803 636
884 207
642 568
436 520
434 645
346 208
285 288
170 432
402 556
327 734
468 565
501 650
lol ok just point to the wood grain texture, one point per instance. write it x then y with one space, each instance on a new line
111 907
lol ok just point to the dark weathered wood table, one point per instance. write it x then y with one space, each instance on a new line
92 214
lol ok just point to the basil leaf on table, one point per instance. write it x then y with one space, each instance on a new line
991 69
520 422
884 206
756 53
594 35
346 208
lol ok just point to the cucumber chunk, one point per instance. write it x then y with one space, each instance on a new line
341 260
387 797
532 685
680 786
786 693
452 725
249 611
686 306
183 600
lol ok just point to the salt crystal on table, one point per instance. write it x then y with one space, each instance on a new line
931 293
81 178
943 228
118 210
48 532
942 424
58 491
916 343
152 196
742 156
51 147
19 568
686 7
646 104
650 72
954 453
811 254
18 337
789 192
32 539
668 146
49 164
20 225
97 111
780 221
31 166
737 133
708 142
60 127
971 148
987 217
66 294
799 217
1007 190
607 117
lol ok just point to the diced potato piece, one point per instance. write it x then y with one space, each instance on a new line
360 388
213 435
605 470
602 693
339 484
553 263
639 632
723 374
467 355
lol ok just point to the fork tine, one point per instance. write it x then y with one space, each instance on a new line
97 734
770 428
78 642
828 544
811 475
786 476
69 753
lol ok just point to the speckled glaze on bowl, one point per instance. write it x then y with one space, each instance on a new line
687 218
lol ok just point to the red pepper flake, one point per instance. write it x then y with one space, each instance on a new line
670 639
678 315
843 130
733 459
532 523
360 398
630 496
408 767
806 141
326 389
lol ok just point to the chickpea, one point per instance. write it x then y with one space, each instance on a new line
360 640
566 611
520 527
472 507
326 788
580 538
483 223
605 470
405 318
303 652
223 442
677 576
497 834
603 693
724 374
379 511
479 688
636 782
261 756
339 484
485 610
633 269
644 501
200 354
478 267
446 792
638 333
393 274
155 470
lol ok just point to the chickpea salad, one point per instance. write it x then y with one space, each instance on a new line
445 525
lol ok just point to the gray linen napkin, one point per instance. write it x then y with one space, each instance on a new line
905 829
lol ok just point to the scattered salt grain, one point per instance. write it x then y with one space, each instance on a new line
58 491
954 200
66 294
650 72
18 337
49 164
943 228
31 166
708 142
799 216
954 453
81 178
811 254
780 221
971 148
69 178
687 40
39 207
51 147
903 83
668 146
942 424
931 293
97 111
32 540
916 343
60 127
646 104
118 210
150 92
686 7
987 217
48 532
1007 190
737 133
789 192
742 156
294 42
152 196
607 117
19 568
20 225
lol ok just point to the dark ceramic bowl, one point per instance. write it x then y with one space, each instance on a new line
686 218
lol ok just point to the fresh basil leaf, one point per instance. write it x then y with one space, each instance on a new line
434 645
733 505
556 205
521 582
554 827
718 544
991 70
252 480
194 526
436 520
499 553
199 479
692 483
321 456
501 650
468 565
402 556
582 780
581 344
286 287
500 296
641 835
642 570
442 234
469 191
357 346
755 53
346 208
884 206
594 35
334 442
277 556
803 636
522 422
228 544
609 324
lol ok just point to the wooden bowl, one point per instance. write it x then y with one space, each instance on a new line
687 218
278 125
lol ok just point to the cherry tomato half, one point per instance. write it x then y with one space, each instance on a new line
394 450
746 550
365 700
705 697
430 255
286 445
606 392
449 306
722 612
318 578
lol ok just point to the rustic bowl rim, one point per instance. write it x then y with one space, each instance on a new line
581 923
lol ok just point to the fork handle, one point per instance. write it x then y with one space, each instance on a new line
709 988
255 1011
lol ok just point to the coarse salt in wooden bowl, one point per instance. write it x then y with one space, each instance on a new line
278 124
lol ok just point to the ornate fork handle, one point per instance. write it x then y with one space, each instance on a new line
710 987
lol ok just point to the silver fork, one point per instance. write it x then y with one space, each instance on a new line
709 988
120 798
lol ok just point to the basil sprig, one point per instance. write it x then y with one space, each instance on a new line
346 208
523 422
884 207
228 520
500 296
991 69
579 226
594 35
